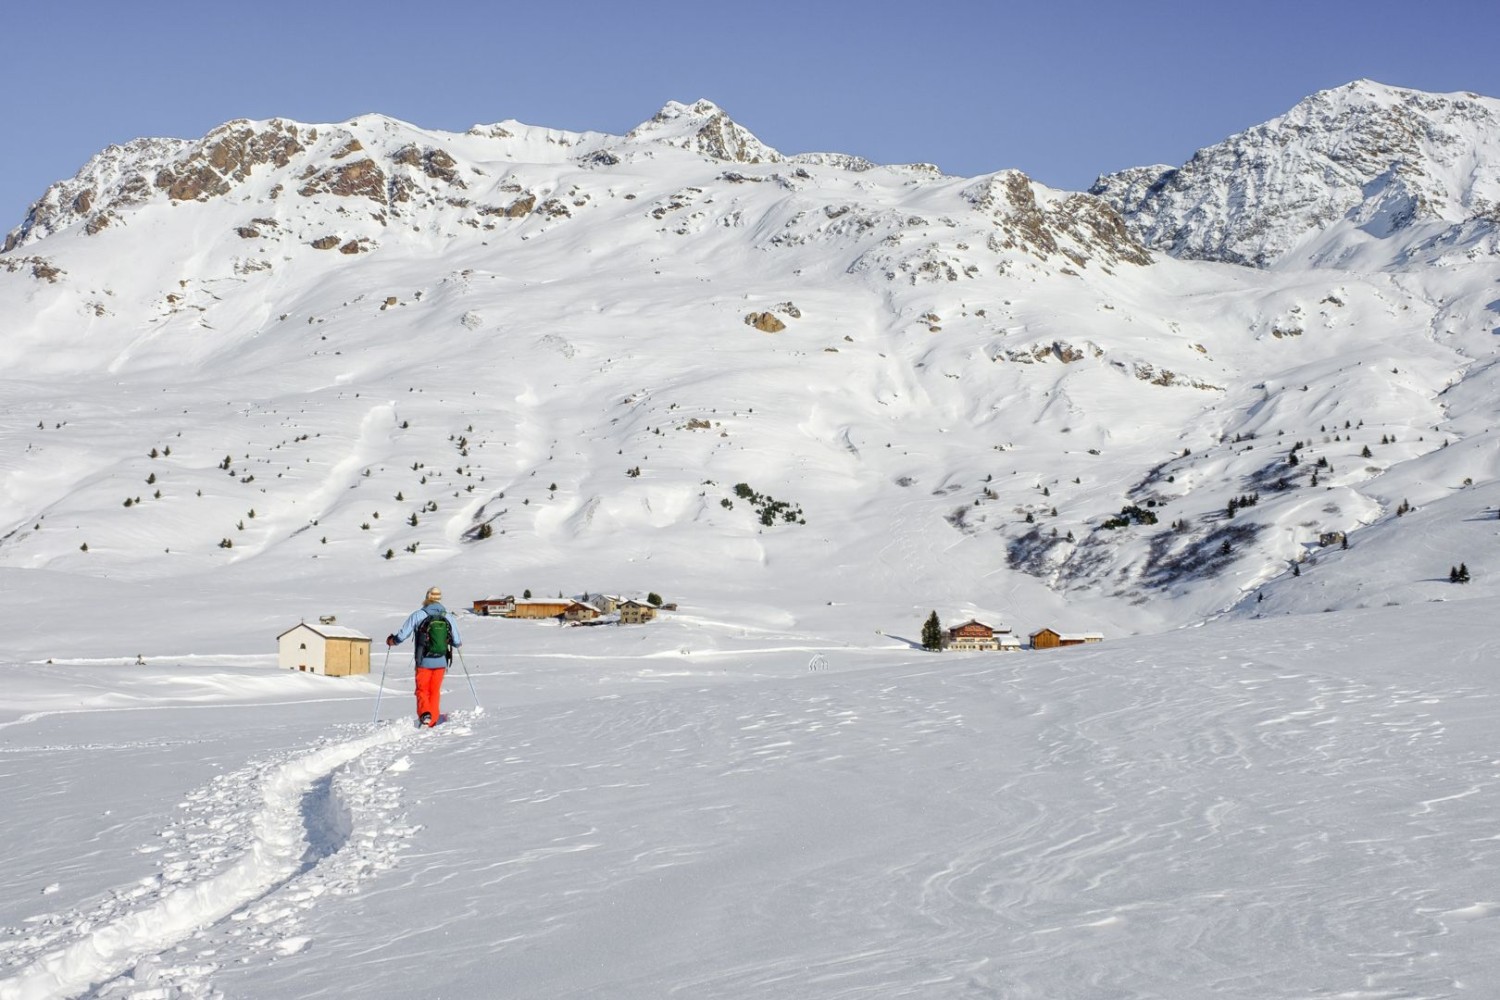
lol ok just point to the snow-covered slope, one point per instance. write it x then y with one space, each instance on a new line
1272 810
1343 169
337 361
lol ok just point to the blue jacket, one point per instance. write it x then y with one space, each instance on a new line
409 627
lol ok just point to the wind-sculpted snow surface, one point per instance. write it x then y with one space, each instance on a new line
1278 809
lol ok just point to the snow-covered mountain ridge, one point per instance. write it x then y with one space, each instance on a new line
337 358
1364 161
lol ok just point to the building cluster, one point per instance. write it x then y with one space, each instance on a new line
335 651
975 635
331 649
572 610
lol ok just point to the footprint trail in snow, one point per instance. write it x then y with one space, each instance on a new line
253 851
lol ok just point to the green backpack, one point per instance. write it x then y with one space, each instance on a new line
435 638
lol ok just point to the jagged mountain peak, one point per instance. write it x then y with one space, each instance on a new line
1375 158
705 128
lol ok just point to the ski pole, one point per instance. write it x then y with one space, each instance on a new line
381 690
463 663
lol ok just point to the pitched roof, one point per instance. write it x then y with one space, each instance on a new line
329 631
1067 635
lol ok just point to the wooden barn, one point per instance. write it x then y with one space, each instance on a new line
324 649
545 608
1049 638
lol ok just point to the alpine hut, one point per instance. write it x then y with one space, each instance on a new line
324 649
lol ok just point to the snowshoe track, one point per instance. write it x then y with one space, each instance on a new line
252 852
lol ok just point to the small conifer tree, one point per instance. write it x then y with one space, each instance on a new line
932 633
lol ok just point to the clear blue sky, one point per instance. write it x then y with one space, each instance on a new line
1061 89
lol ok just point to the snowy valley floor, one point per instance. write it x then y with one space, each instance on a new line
1293 808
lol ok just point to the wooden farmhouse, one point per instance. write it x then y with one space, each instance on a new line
1049 638
579 611
977 635
635 613
495 606
324 649
972 635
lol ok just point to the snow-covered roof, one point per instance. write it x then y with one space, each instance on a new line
1068 635
329 631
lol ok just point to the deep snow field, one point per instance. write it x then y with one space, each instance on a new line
1295 807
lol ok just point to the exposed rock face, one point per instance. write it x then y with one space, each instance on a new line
41 268
226 155
1380 158
435 163
362 178
111 178
1017 222
1076 226
125 177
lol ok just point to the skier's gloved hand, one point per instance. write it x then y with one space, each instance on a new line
390 640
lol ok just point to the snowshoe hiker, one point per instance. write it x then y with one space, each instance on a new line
436 638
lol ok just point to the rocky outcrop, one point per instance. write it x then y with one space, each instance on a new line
766 322
1079 227
227 155
435 163
40 268
362 178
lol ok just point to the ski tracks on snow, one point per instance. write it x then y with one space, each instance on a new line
252 852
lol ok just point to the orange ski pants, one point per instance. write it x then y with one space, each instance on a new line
429 691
